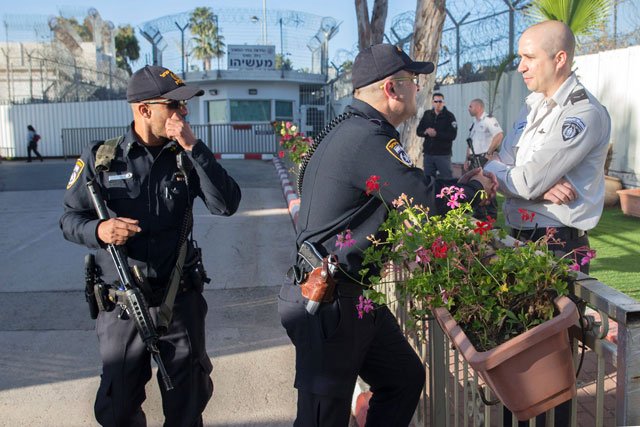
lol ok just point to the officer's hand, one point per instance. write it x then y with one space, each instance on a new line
488 181
431 132
465 166
179 130
561 193
117 230
493 156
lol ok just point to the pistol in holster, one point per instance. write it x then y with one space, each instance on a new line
314 274
96 292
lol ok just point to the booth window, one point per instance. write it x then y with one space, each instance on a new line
218 112
250 110
284 110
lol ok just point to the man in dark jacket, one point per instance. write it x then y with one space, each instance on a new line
158 168
438 127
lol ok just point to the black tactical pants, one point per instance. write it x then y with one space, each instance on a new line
333 347
126 367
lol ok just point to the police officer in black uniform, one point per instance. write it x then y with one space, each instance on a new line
439 128
333 346
148 197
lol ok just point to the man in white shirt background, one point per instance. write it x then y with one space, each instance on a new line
485 135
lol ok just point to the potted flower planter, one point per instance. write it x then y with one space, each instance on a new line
630 201
530 373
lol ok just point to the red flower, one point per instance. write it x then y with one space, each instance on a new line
525 215
281 154
439 248
373 184
484 226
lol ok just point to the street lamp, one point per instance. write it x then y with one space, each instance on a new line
215 20
255 20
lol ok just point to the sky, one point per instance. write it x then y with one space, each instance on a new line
136 12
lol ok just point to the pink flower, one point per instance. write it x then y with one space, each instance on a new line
422 255
281 154
344 240
574 267
288 125
365 305
452 193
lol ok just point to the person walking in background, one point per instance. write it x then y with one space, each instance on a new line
485 135
32 143
150 178
438 127
551 168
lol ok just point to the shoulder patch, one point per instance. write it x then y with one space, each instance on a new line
572 127
454 125
577 96
75 174
397 151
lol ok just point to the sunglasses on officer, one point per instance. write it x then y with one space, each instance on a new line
414 79
170 103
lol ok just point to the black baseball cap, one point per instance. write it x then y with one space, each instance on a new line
153 81
382 60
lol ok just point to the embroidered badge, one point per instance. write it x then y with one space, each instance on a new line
572 127
454 125
396 150
519 127
75 174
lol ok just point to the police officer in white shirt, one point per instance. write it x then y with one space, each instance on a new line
485 133
551 168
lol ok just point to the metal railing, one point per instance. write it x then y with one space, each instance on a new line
220 138
452 395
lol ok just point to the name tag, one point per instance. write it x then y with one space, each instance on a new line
120 177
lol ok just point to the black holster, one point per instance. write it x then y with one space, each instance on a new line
96 292
194 271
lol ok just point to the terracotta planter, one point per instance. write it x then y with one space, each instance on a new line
630 201
530 373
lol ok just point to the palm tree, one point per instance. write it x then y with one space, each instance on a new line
127 47
582 16
209 44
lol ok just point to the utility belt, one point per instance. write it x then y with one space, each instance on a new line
314 274
564 234
102 296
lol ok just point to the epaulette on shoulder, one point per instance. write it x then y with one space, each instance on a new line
578 95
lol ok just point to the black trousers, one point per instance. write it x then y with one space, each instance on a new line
33 147
126 367
334 346
573 239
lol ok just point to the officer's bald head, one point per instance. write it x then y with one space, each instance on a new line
553 37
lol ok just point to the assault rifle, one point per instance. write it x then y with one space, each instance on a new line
134 301
474 162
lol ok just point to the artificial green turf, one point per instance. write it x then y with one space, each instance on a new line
616 240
